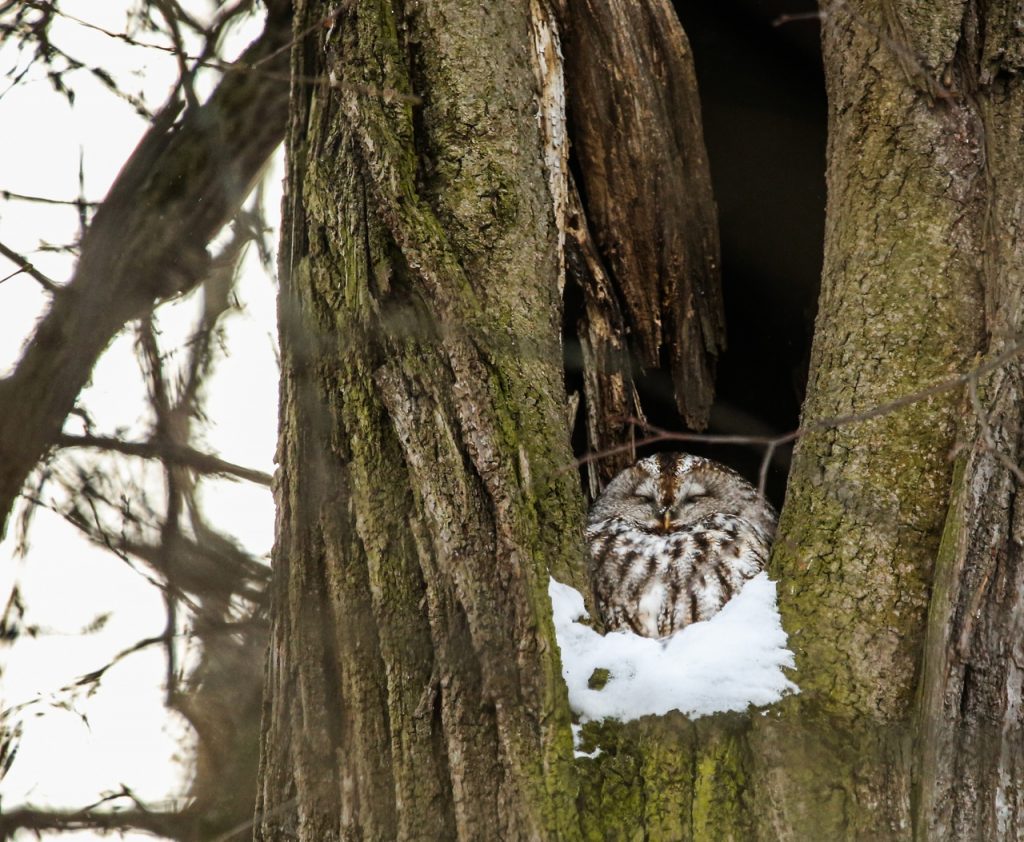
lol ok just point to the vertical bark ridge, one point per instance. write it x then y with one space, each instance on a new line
395 587
298 781
428 290
494 344
971 715
455 520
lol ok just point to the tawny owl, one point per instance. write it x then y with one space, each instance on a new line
672 539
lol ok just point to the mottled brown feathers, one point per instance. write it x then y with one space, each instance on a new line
656 579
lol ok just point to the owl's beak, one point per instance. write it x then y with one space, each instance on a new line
666 520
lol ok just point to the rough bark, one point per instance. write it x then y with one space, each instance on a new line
650 216
414 690
610 395
971 727
411 667
147 242
900 308
646 184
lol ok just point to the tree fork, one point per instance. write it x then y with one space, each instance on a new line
418 405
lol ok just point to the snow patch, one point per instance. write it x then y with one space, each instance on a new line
729 662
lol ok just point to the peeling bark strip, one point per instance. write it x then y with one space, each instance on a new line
414 689
646 188
611 397
147 241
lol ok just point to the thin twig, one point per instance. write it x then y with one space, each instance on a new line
772 443
23 197
27 267
793 18
185 75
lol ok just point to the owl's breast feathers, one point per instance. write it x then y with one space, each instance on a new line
656 583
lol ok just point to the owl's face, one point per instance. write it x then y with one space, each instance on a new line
668 491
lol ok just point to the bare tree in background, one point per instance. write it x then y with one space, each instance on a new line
146 243
413 688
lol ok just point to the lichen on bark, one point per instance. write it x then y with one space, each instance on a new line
899 310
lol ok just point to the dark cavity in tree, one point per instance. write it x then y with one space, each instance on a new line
764 113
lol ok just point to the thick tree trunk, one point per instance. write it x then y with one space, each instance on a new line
922 280
426 487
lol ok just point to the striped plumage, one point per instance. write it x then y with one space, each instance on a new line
672 539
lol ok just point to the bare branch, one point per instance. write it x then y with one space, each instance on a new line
146 242
97 674
171 824
27 267
772 443
187 457
256 67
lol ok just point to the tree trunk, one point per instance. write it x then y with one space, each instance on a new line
921 281
413 684
970 764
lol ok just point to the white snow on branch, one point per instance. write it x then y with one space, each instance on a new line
733 660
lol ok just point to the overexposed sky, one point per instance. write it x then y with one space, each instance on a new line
126 736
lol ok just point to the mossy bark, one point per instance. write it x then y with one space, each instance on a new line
426 487
925 168
969 766
413 684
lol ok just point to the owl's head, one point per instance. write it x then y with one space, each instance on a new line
669 491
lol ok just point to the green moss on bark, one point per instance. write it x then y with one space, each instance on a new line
899 311
667 778
437 395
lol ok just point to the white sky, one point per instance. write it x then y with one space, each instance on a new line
66 583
